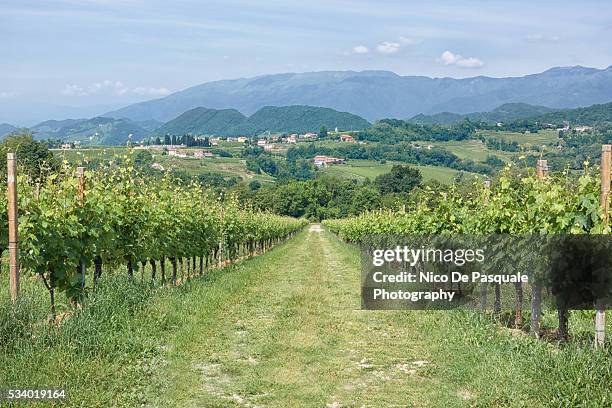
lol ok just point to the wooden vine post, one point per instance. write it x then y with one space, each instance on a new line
81 189
536 287
600 314
13 239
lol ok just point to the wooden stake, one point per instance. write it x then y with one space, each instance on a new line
542 169
81 177
13 244
600 314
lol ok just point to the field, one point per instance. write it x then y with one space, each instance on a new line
253 334
471 149
362 169
229 166
543 137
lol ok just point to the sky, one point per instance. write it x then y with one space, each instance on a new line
111 53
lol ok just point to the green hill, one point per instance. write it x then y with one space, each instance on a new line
204 121
230 122
581 116
98 130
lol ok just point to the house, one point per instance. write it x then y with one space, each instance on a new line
262 142
67 146
176 153
310 136
581 129
324 161
292 138
347 138
242 139
157 166
269 147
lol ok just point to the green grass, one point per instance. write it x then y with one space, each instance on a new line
362 169
285 330
471 149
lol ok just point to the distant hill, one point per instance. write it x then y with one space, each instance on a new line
5 129
226 122
381 94
98 130
508 112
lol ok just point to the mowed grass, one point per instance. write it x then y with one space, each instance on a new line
362 169
471 149
285 330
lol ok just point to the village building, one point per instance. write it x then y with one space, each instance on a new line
347 138
324 161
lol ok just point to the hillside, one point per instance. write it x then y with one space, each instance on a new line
382 94
6 128
508 112
98 130
582 116
227 122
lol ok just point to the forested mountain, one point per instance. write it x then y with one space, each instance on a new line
507 112
98 130
227 122
382 94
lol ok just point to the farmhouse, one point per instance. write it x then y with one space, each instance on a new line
324 161
347 138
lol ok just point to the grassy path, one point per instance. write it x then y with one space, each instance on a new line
284 330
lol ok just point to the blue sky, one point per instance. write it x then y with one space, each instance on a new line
106 52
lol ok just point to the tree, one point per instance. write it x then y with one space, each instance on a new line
157 140
32 155
323 132
254 185
401 179
167 140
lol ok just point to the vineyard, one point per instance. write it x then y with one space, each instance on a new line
75 224
517 204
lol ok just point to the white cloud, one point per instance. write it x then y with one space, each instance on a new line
387 47
112 87
449 58
360 49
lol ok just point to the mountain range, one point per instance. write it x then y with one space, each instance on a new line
381 94
220 122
